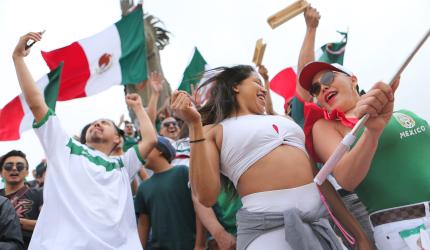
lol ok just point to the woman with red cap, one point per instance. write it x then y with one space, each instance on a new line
388 165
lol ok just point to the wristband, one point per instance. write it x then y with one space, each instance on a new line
198 140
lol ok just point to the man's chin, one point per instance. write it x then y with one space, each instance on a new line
95 139
13 182
172 135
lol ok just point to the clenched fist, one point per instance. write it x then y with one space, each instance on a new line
184 108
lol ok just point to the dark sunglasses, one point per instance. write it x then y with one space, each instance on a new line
9 166
326 79
167 124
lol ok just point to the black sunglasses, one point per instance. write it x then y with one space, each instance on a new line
326 79
9 166
167 124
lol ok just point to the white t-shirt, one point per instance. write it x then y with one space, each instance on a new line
183 150
87 197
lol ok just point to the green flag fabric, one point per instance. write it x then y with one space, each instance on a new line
193 72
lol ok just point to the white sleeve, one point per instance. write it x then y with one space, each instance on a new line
51 134
132 160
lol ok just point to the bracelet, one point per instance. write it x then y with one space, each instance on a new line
198 140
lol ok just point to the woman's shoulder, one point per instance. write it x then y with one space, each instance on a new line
212 128
214 133
323 124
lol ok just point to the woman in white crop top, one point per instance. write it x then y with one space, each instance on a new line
262 155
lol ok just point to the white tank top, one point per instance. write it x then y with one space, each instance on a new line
248 138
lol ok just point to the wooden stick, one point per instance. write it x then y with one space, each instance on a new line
260 47
287 13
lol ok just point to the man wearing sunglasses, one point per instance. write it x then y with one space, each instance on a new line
27 202
170 128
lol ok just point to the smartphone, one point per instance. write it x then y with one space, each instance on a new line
31 42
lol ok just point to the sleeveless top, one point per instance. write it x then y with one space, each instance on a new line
248 138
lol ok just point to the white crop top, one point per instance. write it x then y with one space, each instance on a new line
248 138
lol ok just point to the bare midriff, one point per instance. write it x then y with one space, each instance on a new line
284 167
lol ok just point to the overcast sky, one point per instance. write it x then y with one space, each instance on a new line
381 35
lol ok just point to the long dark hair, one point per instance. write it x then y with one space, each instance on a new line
222 102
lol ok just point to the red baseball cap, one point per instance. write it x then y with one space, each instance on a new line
312 68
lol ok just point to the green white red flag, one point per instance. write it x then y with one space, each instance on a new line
16 116
195 74
114 56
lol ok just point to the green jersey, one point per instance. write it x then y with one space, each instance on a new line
129 141
226 208
400 170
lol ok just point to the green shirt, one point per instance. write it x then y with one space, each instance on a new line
166 199
129 141
225 210
400 170
158 125
297 111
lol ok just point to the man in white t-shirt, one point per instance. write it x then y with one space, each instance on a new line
88 201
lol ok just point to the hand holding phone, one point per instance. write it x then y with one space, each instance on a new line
31 42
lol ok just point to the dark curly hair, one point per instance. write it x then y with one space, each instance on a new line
10 154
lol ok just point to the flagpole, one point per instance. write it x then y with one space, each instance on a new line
349 139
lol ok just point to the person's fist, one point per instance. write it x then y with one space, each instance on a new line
374 101
312 17
133 100
21 49
184 108
379 104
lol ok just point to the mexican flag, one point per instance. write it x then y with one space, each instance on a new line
16 116
333 52
195 74
114 56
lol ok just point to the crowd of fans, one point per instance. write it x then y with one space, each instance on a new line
231 174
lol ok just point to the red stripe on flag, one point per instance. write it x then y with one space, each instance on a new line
10 120
76 70
284 83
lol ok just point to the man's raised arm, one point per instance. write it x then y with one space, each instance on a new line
31 92
147 131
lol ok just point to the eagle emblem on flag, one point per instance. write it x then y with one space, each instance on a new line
104 63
